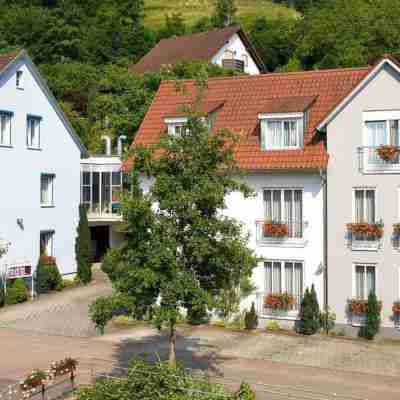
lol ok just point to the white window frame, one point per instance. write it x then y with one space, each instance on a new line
364 188
282 117
50 245
50 187
354 277
283 279
173 123
3 142
37 144
19 79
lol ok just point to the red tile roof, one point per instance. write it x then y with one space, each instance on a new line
244 97
198 46
6 58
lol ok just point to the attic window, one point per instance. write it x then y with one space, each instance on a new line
282 131
176 126
19 80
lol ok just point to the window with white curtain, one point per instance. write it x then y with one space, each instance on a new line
285 277
5 128
364 206
280 134
47 189
365 281
47 243
33 132
285 206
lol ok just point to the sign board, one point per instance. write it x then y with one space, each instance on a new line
19 271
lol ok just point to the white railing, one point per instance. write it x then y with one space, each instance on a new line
370 161
295 233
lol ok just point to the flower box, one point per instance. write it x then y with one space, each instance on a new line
370 231
279 301
63 367
276 229
47 260
396 228
33 380
387 153
360 307
396 308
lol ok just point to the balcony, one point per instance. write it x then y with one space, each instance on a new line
102 183
381 159
233 63
365 236
281 233
280 309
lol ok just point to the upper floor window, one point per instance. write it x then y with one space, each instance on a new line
285 206
381 133
281 132
47 190
5 128
245 59
364 206
19 79
33 132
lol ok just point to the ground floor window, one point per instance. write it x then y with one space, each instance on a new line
365 280
47 243
285 277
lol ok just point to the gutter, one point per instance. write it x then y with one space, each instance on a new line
323 175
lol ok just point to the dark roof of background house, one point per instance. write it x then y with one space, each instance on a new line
198 46
7 58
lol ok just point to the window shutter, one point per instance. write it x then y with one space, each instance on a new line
263 134
300 125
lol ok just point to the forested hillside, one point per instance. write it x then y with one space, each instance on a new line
83 48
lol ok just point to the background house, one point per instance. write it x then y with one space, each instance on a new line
39 169
228 47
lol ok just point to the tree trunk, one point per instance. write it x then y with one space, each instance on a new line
172 344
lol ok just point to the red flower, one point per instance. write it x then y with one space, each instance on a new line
276 229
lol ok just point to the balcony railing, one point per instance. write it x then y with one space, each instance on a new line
233 63
265 310
374 160
365 236
281 232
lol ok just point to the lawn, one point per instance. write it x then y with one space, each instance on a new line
192 10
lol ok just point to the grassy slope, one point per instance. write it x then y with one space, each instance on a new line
194 9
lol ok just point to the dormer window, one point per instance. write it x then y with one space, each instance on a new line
20 79
281 131
176 126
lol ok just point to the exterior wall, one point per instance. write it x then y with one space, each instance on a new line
250 210
236 45
20 170
345 135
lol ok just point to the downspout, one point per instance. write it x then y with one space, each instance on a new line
325 237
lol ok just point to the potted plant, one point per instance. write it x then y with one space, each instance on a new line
276 229
396 309
63 367
279 301
366 229
396 229
387 152
34 379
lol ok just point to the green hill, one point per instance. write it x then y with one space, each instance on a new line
192 10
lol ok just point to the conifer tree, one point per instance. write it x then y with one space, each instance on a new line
309 323
82 247
373 318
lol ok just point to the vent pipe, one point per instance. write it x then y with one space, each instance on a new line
121 139
107 139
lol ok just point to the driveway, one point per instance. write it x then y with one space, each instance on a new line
64 313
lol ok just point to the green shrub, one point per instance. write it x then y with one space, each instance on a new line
159 381
251 318
373 318
197 315
48 277
101 311
327 320
309 316
245 393
273 325
82 247
237 322
17 292
2 297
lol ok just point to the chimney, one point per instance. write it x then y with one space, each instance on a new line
107 139
121 139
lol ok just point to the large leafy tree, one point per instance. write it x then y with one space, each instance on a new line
184 251
224 14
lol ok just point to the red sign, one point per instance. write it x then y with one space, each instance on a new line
19 271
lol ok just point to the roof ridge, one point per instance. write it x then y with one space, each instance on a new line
188 35
274 74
